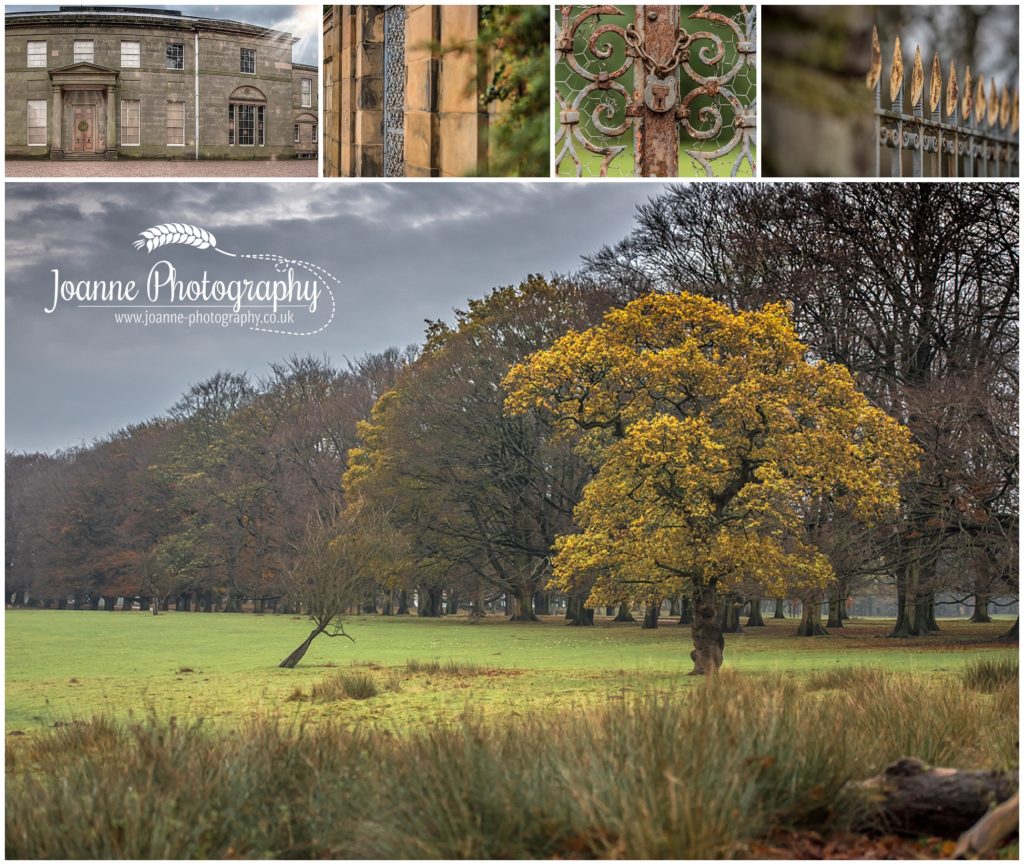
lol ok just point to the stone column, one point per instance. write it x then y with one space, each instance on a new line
368 92
113 109
56 122
422 83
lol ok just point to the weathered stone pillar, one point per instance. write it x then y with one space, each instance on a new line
368 92
113 109
56 121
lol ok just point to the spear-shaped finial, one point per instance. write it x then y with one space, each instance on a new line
951 91
1004 107
917 79
979 99
967 104
1015 112
875 71
896 75
935 85
993 104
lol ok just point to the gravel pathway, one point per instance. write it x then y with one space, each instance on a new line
162 168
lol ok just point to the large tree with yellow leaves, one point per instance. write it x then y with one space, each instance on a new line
721 447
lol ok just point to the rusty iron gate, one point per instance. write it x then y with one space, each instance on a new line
971 130
642 92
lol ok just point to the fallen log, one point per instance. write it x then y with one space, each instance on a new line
991 831
912 798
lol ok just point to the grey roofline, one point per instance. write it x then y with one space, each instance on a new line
66 17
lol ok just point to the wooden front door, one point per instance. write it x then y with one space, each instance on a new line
84 129
305 144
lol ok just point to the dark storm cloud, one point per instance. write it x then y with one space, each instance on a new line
301 21
404 253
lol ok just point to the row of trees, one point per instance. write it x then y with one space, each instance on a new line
617 429
210 501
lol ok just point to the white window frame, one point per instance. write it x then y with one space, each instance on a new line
167 126
124 104
240 69
92 51
238 124
307 92
138 55
29 127
29 55
166 58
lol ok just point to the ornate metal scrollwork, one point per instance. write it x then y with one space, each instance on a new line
598 50
585 46
394 91
719 87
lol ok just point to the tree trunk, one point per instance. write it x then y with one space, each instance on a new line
685 611
674 608
910 798
835 619
755 619
731 615
651 613
575 613
708 640
542 603
370 603
430 602
810 621
387 609
927 614
296 656
624 614
477 610
980 614
1011 636
522 607
403 602
780 608
902 628
62 603
452 604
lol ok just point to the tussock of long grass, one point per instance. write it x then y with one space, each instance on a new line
451 667
693 775
840 678
991 674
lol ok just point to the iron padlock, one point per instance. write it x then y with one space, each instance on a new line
660 93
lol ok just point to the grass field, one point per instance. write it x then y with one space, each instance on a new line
72 665
440 739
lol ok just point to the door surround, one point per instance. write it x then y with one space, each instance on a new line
83 76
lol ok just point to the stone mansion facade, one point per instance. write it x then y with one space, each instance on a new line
118 82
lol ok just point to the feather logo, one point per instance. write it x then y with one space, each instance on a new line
176 232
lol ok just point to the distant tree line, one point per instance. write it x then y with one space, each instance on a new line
913 288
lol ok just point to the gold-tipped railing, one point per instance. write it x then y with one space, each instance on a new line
973 132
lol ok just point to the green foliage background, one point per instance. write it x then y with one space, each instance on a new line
514 42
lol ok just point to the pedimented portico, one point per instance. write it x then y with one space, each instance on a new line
84 114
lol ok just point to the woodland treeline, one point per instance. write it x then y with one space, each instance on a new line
913 288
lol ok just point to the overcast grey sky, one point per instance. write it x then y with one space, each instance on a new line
305 22
404 252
